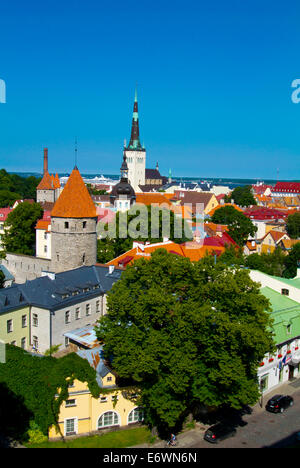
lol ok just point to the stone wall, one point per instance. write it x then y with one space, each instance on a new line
45 196
73 243
25 267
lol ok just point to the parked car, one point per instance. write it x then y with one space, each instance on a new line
219 432
278 403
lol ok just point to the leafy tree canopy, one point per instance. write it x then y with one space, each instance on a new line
240 227
14 187
33 382
19 237
292 262
293 225
242 196
187 334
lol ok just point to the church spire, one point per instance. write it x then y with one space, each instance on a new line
135 143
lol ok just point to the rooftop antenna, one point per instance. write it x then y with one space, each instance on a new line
76 152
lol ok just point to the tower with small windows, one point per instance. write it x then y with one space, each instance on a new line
135 153
73 227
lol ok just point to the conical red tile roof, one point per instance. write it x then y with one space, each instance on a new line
46 182
75 200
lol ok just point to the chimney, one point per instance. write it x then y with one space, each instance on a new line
45 160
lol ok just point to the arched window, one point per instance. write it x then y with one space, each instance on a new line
110 418
136 415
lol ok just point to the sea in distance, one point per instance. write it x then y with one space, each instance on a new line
231 183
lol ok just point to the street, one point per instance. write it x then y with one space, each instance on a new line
262 429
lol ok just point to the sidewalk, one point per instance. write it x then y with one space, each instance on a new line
191 437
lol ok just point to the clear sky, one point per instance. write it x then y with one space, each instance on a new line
214 85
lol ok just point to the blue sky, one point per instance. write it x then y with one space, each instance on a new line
214 85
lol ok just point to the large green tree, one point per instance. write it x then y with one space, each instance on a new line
29 384
240 227
14 187
242 196
292 262
187 334
19 236
293 225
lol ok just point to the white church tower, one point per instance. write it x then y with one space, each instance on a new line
135 153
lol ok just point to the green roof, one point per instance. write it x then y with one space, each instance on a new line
285 312
295 282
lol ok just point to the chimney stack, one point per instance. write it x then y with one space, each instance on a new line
45 160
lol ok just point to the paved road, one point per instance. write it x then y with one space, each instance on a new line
261 429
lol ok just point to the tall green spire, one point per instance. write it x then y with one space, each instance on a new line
135 143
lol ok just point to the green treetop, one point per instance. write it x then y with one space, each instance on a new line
187 334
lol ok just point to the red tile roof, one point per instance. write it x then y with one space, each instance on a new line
264 213
75 200
4 212
292 187
47 182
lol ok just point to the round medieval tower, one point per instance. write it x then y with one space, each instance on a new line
73 227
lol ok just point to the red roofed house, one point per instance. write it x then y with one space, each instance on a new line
43 236
4 212
286 189
261 217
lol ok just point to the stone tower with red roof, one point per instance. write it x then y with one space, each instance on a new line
73 227
49 188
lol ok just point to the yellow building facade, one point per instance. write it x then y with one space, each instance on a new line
82 414
271 241
15 327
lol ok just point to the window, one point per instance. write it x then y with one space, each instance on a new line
103 399
108 419
13 343
24 321
66 341
67 317
114 398
264 382
66 225
88 309
77 313
45 249
84 224
70 403
9 326
35 342
45 235
99 305
35 320
288 329
285 292
109 379
70 426
136 415
23 343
